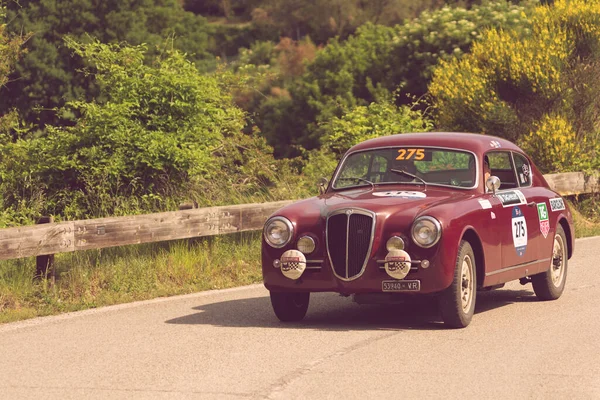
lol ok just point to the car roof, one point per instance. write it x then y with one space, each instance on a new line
477 143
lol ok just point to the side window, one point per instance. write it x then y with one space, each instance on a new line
523 169
501 166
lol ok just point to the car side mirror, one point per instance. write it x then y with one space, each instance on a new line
493 184
323 182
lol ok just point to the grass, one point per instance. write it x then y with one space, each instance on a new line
98 278
586 219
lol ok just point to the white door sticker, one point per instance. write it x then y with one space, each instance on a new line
485 204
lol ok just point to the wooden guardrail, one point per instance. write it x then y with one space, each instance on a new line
573 183
62 237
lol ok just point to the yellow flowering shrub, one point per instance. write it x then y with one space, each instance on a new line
538 89
556 145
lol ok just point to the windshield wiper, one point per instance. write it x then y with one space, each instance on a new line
356 178
403 172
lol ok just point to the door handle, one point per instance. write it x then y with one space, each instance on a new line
531 204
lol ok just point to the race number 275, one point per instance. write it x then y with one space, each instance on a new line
519 229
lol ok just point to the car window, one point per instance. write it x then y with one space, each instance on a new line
436 166
523 169
501 166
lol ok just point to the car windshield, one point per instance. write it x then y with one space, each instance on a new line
407 165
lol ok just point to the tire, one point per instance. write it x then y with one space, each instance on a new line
457 302
290 307
550 285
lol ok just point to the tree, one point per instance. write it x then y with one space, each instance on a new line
10 52
47 77
540 90
374 62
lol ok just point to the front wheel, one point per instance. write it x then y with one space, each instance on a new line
457 302
550 285
290 307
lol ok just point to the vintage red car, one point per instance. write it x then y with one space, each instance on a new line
422 213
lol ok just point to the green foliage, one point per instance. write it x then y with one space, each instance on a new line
444 34
376 61
539 90
10 48
259 53
367 122
325 19
47 76
142 146
227 39
10 52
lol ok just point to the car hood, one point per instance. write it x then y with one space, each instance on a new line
384 201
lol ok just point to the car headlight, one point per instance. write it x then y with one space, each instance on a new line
426 231
395 243
278 231
306 244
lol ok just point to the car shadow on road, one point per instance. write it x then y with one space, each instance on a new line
487 301
332 312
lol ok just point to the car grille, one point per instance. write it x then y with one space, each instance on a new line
349 236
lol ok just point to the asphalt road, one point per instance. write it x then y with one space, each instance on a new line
228 344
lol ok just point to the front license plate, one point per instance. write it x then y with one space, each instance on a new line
401 286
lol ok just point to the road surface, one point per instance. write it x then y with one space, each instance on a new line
229 345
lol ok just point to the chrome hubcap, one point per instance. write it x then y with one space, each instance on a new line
557 270
466 295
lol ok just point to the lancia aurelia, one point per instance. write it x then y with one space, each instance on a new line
437 214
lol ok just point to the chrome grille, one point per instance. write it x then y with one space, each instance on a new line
349 240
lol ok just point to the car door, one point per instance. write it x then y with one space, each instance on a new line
516 214
540 224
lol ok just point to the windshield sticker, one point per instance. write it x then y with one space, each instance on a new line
544 220
402 194
495 144
557 204
519 231
511 198
485 204
408 154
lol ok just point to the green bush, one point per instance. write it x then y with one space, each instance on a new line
367 122
539 90
141 147
47 76
226 39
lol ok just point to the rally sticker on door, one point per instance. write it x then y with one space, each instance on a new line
485 204
557 204
544 221
519 231
511 198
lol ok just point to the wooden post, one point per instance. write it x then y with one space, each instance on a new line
191 205
45 264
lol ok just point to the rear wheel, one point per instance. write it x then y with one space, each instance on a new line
550 285
457 302
290 307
